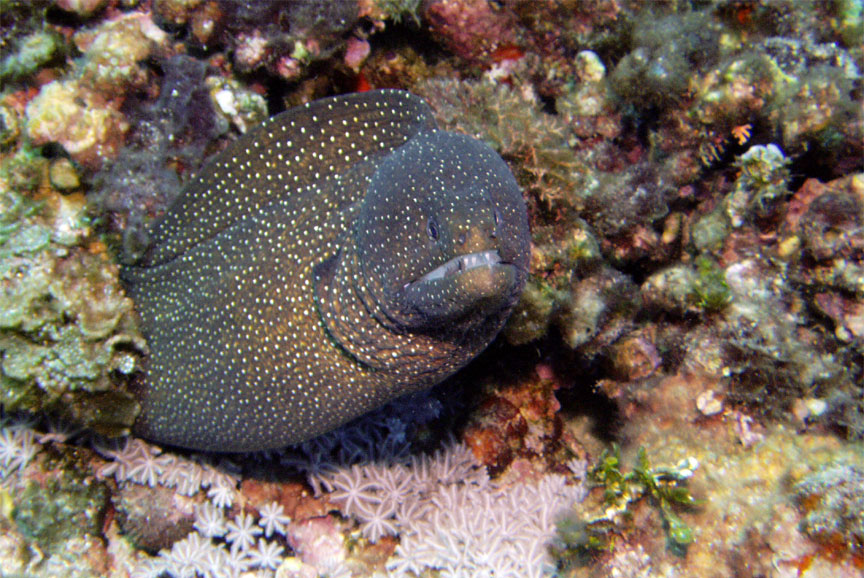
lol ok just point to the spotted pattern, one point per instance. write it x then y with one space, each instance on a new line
289 289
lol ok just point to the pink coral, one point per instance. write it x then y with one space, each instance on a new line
80 7
251 50
289 68
318 541
470 28
356 53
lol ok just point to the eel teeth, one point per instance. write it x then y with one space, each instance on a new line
461 264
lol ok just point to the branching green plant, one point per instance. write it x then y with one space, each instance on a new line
664 486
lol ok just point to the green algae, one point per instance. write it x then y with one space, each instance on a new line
532 316
686 288
67 503
23 170
664 487
400 10
764 86
31 53
709 291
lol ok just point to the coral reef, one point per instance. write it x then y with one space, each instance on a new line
81 112
87 130
832 499
66 329
286 40
695 184
653 75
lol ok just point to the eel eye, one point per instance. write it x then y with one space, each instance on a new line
432 229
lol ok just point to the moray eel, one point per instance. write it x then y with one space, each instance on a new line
342 254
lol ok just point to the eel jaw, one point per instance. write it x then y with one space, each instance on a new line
460 264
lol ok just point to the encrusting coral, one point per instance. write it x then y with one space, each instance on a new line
832 499
81 112
65 325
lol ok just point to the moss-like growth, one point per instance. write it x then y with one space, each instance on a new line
709 291
399 10
532 142
30 54
532 315
684 289
66 329
832 501
23 170
666 53
66 503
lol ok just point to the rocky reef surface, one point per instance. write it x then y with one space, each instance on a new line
680 391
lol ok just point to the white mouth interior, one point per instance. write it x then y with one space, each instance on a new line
462 263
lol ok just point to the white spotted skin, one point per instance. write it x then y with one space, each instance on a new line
280 302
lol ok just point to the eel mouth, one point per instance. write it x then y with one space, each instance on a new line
462 263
